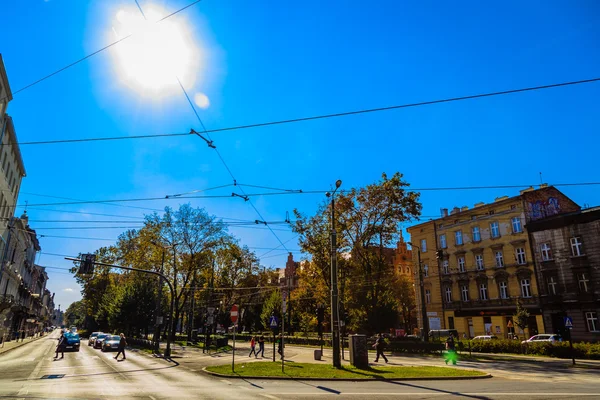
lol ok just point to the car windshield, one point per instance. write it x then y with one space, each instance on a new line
102 336
94 334
115 338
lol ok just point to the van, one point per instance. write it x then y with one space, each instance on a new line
442 334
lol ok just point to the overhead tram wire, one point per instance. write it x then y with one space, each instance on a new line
304 192
99 50
325 116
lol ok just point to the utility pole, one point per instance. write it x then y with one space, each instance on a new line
425 333
335 318
158 307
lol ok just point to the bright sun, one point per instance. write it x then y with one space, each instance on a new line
157 53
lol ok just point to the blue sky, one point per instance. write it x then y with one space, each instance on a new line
270 60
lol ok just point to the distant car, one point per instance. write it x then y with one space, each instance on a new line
72 342
73 329
111 343
99 339
485 337
543 338
92 338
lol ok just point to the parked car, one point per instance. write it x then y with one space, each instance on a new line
99 339
92 338
111 343
485 337
544 337
73 341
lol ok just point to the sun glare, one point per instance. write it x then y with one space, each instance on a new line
157 53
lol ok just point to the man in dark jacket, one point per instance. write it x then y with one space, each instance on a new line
122 344
60 347
450 350
261 346
380 346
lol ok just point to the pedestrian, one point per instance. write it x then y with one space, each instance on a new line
60 347
380 346
450 350
280 346
261 346
122 344
253 348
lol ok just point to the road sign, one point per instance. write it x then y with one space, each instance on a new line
509 325
234 313
569 322
159 320
273 323
284 306
210 320
211 310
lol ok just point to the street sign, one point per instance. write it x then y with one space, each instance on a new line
284 306
509 325
159 320
211 310
273 323
569 322
234 313
210 320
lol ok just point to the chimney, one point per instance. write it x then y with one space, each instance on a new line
529 189
481 203
464 208
444 212
543 185
455 210
501 198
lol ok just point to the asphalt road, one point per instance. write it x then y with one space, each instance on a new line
29 372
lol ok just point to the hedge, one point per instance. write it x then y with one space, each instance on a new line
581 350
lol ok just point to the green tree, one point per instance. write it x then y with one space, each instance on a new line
521 316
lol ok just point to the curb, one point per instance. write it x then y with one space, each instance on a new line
282 378
22 344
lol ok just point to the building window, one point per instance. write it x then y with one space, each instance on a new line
427 296
552 285
576 246
423 245
592 321
546 251
495 230
520 254
516 225
445 267
464 292
461 264
499 259
525 288
476 234
503 286
443 243
479 262
448 294
583 283
483 294
458 237
426 270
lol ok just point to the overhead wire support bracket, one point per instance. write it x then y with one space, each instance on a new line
246 198
208 142
256 221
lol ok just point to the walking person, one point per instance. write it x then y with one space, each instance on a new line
122 344
23 335
253 348
280 346
60 347
450 350
261 346
380 346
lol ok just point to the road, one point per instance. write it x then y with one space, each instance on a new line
29 372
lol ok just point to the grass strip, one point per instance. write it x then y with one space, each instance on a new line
308 370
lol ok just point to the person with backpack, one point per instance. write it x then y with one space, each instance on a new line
450 350
60 347
122 344
253 348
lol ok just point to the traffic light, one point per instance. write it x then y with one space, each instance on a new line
87 264
439 254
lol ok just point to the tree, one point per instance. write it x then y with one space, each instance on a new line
76 314
521 317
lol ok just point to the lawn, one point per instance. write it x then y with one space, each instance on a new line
306 370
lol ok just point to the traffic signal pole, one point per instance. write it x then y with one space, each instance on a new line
170 324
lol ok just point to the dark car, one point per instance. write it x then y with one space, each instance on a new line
72 341
99 339
111 343
92 338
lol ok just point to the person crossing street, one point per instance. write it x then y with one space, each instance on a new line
122 344
380 346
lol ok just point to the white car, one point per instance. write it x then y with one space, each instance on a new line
543 338
485 337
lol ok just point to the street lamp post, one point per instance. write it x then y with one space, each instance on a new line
335 320
425 333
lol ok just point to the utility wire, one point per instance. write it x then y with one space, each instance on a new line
98 51
325 116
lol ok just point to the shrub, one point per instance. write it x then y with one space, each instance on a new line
558 349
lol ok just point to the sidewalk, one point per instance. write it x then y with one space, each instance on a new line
13 344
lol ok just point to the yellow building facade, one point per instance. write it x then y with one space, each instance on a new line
477 263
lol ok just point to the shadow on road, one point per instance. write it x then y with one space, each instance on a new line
437 390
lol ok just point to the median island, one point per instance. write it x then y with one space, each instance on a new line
320 371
